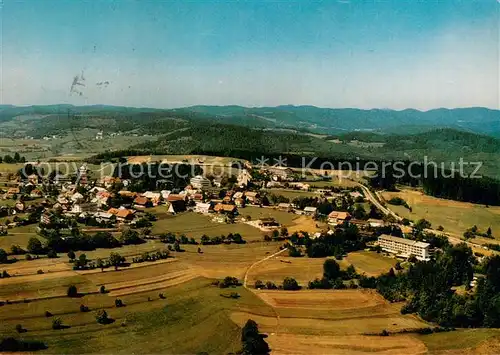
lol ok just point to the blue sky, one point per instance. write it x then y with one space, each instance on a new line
346 53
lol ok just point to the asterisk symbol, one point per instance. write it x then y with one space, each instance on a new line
262 161
280 161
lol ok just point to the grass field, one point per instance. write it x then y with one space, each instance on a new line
454 216
18 236
368 262
282 217
463 341
195 225
194 317
291 194
306 269
334 321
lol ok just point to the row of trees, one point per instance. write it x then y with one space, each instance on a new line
56 242
13 159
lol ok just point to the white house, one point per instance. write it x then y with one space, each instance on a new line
310 210
404 247
200 182
244 178
202 207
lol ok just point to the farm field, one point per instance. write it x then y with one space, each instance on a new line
195 225
454 216
291 194
18 236
333 321
306 269
368 262
285 218
193 317
463 342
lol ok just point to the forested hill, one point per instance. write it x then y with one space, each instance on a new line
310 118
327 120
443 145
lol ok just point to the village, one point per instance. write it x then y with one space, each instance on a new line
80 205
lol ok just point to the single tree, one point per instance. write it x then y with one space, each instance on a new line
72 291
331 269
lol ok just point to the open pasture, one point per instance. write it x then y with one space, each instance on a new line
368 262
286 343
306 269
195 225
192 318
218 261
330 312
454 216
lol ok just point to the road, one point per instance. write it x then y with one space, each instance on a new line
258 262
369 195
257 294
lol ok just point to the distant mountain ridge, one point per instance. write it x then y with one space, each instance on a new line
311 118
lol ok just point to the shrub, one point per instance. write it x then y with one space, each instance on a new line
271 285
101 317
102 289
119 303
259 284
84 308
72 291
39 272
52 254
17 345
19 328
71 255
48 314
229 281
162 296
28 257
290 284
57 323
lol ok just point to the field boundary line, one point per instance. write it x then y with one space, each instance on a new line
256 293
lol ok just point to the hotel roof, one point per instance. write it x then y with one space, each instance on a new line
404 241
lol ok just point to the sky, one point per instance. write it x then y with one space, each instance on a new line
348 53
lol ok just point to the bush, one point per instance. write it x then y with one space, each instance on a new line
19 328
290 284
119 303
259 284
48 314
57 323
229 281
101 317
28 257
52 254
17 345
72 291
102 289
84 308
271 285
39 272
71 255
162 296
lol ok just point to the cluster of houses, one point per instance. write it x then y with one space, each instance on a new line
100 200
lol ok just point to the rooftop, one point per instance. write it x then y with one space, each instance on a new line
404 241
